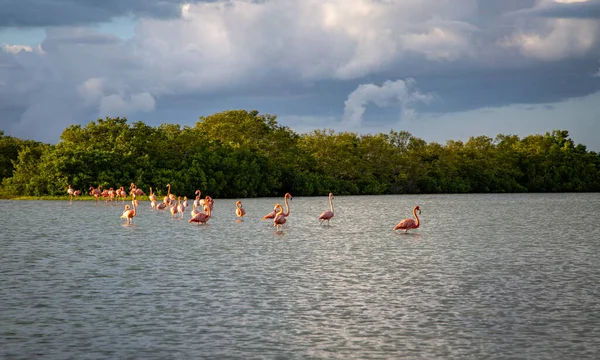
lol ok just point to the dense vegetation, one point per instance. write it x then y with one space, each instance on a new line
245 154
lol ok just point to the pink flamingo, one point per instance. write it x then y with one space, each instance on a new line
134 190
180 206
239 210
105 195
71 192
201 218
129 214
197 202
170 197
407 224
208 201
95 192
272 214
111 194
279 219
121 193
175 208
327 215
152 197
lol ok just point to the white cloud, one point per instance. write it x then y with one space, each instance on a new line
552 39
97 94
121 104
564 38
400 93
15 49
218 44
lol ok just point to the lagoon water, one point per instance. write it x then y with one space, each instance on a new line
486 276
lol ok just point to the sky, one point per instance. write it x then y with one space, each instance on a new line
439 69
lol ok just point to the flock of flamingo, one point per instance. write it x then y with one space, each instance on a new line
177 207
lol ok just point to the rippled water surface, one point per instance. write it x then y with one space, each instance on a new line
486 276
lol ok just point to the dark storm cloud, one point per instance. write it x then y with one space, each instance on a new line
32 13
577 10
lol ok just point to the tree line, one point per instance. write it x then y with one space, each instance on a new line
241 153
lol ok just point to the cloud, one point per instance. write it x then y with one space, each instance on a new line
15 49
33 13
97 94
597 74
565 38
299 59
400 93
565 9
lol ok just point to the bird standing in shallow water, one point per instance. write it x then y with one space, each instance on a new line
327 215
407 224
279 219
129 214
272 214
239 210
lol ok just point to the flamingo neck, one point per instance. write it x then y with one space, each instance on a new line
417 218
331 203
287 208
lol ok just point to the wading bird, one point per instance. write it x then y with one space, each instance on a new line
327 215
201 218
272 214
128 213
407 224
279 219
239 210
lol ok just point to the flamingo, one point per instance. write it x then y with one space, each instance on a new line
95 192
111 194
207 201
180 206
77 193
169 197
128 214
272 214
71 192
197 202
174 208
279 219
327 215
122 194
201 218
105 196
161 206
185 202
407 224
152 197
134 189
239 210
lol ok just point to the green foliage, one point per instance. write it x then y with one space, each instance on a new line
245 154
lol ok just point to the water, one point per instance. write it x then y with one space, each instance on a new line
486 276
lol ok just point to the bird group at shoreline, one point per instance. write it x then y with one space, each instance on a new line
177 207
